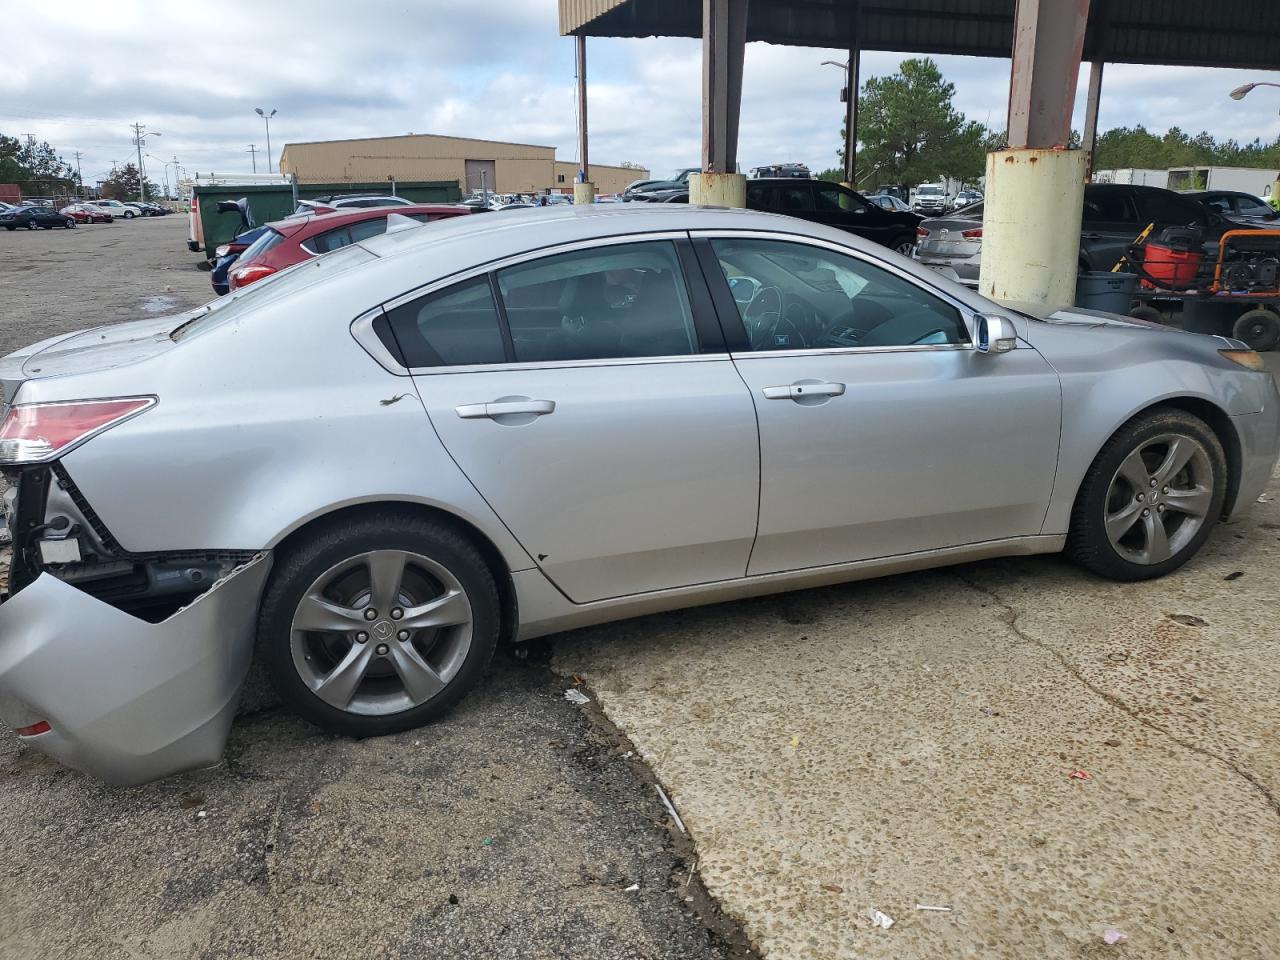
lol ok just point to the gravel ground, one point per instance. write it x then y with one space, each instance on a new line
514 828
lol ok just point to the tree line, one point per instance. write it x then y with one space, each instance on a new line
40 170
911 132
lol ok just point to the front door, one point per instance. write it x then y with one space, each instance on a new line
605 425
882 431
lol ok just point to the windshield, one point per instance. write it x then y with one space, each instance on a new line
928 191
286 282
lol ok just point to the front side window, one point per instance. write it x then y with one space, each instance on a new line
792 296
1169 209
1109 206
627 300
829 198
458 325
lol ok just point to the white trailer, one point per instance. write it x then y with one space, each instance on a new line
1134 176
1253 180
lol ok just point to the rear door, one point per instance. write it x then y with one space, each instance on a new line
588 395
1109 224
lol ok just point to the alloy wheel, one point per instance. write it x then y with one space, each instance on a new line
381 632
1159 498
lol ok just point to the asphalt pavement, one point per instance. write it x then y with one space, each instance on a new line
518 827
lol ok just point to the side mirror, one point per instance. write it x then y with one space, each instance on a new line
996 334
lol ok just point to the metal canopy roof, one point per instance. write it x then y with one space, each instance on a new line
1202 33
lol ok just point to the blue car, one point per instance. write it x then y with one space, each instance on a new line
227 255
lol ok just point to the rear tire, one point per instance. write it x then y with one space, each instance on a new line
1144 312
1151 497
905 245
1259 328
398 678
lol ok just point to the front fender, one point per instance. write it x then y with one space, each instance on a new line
1111 374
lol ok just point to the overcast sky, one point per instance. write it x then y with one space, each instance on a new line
497 69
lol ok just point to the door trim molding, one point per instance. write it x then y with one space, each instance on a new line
544 610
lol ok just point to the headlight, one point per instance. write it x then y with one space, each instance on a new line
222 249
1249 359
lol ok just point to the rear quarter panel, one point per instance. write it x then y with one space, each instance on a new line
263 424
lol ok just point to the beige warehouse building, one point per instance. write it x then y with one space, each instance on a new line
503 167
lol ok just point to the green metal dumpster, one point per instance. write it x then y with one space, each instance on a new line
268 202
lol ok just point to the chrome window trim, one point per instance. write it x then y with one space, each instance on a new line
494 265
842 351
362 326
566 364
967 314
364 334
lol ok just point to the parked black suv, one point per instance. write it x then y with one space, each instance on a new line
835 206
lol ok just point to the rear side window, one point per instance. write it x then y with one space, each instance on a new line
791 199
330 240
458 325
268 241
758 196
626 300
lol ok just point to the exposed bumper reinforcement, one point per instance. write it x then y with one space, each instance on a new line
128 701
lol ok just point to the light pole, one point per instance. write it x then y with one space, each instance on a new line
139 141
266 117
850 98
1239 93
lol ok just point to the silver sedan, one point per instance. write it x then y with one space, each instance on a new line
372 469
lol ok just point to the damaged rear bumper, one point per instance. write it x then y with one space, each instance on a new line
128 701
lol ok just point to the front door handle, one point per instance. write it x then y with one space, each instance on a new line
803 390
506 408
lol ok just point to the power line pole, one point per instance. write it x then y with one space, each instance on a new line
253 152
142 176
79 182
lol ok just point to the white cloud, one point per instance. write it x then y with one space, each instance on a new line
496 70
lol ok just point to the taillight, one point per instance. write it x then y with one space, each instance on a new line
974 234
922 233
36 432
34 730
247 275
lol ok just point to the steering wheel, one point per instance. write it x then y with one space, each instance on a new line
760 319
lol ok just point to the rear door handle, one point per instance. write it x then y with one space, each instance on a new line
803 390
505 408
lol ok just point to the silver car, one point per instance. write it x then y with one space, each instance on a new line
372 469
952 245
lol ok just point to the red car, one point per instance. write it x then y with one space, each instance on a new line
83 213
291 241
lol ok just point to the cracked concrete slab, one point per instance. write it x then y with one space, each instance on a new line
911 741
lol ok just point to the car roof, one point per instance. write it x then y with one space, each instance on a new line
484 238
309 226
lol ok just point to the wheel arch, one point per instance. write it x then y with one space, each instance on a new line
1218 421
498 566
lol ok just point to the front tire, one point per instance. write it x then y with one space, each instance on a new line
129 216
1150 498
69 224
378 624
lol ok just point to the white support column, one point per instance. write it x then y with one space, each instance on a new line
1035 189
724 40
584 192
